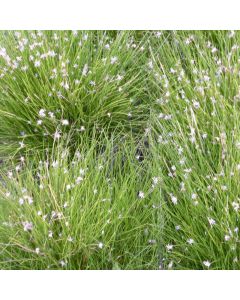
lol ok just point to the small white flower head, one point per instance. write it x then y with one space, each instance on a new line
57 135
21 144
21 201
224 187
85 70
39 122
190 241
113 60
10 174
65 122
174 199
55 164
231 33
7 194
42 113
79 179
152 242
211 221
100 245
37 63
29 199
27 226
37 250
82 128
62 263
155 180
227 237
196 104
194 196
178 227
150 64
70 239
170 265
207 263
18 168
141 194
169 247
238 145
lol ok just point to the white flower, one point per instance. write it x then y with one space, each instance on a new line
169 247
141 195
174 199
62 263
37 63
177 227
57 135
100 245
42 113
238 145
81 171
85 70
194 196
37 250
190 241
82 128
155 180
65 122
21 144
150 64
55 164
21 201
211 221
65 85
27 226
79 179
207 263
113 60
227 237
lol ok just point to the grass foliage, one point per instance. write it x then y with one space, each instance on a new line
119 150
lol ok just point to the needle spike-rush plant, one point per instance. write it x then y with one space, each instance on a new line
119 150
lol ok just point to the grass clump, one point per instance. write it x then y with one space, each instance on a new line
123 150
64 82
92 211
196 126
